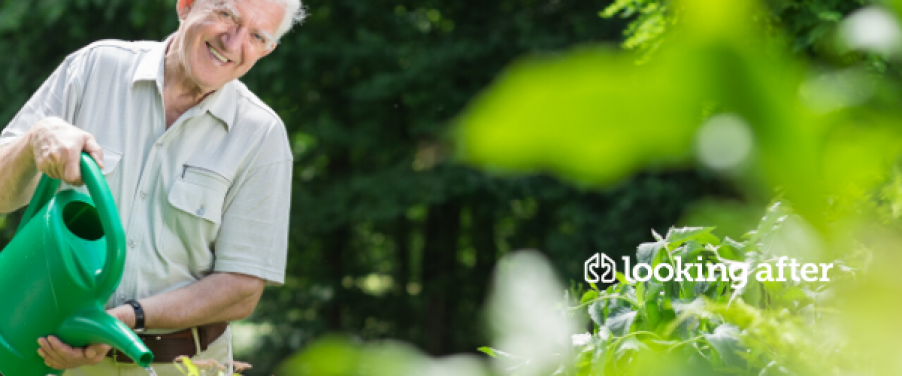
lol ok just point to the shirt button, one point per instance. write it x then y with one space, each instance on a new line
200 211
143 195
159 144
131 244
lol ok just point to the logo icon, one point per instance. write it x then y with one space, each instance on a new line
607 266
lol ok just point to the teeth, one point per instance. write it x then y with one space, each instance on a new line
218 56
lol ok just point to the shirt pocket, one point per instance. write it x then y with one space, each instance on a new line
191 225
110 161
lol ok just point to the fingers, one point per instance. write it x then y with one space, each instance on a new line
57 147
94 149
58 355
96 352
72 168
52 358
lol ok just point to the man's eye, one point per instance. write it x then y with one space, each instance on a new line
225 14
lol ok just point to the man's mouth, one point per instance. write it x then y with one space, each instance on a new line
217 55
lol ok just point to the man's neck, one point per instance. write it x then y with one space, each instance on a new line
180 93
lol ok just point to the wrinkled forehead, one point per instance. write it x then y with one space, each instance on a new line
264 14
215 4
259 8
235 4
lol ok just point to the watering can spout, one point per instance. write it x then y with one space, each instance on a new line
99 327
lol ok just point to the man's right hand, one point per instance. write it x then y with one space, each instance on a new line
57 147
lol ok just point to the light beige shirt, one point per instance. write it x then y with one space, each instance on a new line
211 193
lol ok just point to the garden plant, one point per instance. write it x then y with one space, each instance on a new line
709 326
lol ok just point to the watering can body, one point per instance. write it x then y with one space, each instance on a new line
63 264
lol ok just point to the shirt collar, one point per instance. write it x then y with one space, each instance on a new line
150 68
222 104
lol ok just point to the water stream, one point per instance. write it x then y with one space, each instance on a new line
151 371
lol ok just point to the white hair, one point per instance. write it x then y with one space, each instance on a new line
294 14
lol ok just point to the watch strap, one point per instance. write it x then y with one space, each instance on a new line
139 315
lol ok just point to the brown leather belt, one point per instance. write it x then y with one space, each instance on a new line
167 347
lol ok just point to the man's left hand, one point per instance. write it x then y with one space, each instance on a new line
58 355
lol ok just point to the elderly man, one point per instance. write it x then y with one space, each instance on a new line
199 167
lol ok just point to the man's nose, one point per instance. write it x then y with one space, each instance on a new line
234 39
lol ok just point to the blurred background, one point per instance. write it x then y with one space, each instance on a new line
392 235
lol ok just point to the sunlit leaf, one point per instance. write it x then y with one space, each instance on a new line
647 252
726 340
677 236
620 320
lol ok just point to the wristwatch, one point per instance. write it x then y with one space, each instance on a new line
139 315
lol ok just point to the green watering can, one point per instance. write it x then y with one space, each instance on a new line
64 263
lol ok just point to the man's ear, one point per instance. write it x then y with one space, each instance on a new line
183 7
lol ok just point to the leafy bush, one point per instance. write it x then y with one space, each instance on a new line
759 328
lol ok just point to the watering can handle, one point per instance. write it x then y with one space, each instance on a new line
106 210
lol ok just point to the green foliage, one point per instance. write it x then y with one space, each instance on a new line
188 368
807 26
761 95
38 35
569 92
337 356
650 20
710 325
719 89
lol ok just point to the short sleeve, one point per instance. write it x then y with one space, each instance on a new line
253 238
58 96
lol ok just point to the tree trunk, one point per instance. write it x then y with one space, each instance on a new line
403 275
439 268
335 246
482 237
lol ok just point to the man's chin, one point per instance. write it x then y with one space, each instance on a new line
209 85
200 80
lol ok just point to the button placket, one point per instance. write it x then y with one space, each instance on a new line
146 181
133 240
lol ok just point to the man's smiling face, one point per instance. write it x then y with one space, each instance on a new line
222 39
